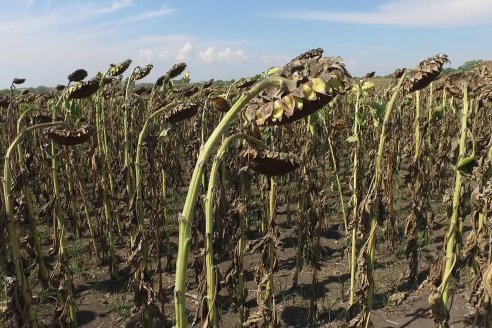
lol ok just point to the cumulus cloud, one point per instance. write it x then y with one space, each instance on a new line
207 55
145 55
184 52
227 55
404 13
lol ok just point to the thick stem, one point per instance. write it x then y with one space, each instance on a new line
209 223
25 291
378 180
186 216
138 184
355 199
454 221
339 187
272 213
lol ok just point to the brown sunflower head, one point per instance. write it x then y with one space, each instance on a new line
82 89
118 69
220 104
69 137
208 84
60 87
77 75
176 70
427 71
18 81
141 72
181 112
269 162
318 80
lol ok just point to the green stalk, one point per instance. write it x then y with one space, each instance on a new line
211 270
417 126
60 220
186 216
454 221
144 264
107 160
339 187
272 213
241 245
138 183
378 180
27 191
83 192
25 290
104 184
126 151
355 199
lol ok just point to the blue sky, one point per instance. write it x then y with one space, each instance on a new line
44 41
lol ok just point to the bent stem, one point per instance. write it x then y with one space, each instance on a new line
186 216
25 291
375 217
209 224
454 221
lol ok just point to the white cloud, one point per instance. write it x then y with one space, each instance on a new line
207 55
147 15
231 55
146 55
115 6
406 13
184 52
164 55
227 55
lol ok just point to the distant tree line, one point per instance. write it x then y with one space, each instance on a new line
467 66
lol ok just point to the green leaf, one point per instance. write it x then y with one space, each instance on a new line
360 119
377 112
466 164
165 131
353 138
437 113
74 109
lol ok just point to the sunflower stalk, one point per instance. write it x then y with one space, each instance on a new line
455 220
186 217
375 217
24 289
211 270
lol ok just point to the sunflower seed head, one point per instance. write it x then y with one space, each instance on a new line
18 81
176 70
82 89
142 72
77 75
318 80
427 71
181 112
118 69
68 137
